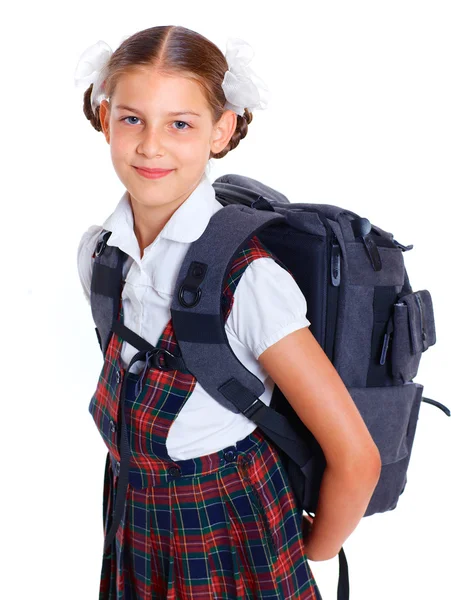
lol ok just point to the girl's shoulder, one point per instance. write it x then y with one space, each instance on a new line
258 270
267 302
89 239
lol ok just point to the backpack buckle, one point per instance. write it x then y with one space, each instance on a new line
155 359
191 283
101 244
196 291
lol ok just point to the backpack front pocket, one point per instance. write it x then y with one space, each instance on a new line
390 414
413 333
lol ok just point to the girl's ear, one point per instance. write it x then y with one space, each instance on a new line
104 116
223 131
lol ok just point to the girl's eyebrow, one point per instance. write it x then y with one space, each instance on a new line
171 114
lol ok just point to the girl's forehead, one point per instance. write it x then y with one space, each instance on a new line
176 92
149 79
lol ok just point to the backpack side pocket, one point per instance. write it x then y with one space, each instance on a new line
413 333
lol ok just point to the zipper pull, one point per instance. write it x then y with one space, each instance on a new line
335 262
387 336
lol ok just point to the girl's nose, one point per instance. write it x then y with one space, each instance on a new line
151 143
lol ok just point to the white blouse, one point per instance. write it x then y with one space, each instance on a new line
268 306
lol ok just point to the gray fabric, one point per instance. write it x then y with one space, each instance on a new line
413 333
254 186
344 360
343 220
386 412
405 362
421 320
214 364
353 347
393 477
102 306
102 309
361 272
308 222
355 308
329 210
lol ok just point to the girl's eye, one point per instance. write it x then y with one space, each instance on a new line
183 123
179 128
125 118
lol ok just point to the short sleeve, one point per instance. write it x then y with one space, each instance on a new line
84 258
268 305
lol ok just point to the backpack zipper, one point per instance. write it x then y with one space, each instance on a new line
332 291
335 261
420 306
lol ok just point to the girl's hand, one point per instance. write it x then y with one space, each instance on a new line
307 522
306 527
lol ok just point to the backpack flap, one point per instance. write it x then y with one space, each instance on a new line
246 190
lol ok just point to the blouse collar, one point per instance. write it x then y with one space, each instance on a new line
186 224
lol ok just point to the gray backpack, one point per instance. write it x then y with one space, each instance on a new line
362 309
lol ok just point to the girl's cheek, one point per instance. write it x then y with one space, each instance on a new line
120 141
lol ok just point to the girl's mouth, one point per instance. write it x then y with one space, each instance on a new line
153 174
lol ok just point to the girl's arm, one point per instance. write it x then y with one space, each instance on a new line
303 372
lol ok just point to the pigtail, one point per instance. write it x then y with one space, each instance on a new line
92 116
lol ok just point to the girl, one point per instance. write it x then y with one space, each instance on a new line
215 517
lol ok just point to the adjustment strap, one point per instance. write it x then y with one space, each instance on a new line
373 252
343 578
121 490
171 361
437 404
362 228
274 424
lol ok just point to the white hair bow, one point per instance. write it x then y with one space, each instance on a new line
91 69
242 88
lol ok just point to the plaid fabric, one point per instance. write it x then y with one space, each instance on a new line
220 526
254 249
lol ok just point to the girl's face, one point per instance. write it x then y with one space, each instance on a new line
147 125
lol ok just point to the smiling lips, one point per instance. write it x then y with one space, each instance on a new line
153 173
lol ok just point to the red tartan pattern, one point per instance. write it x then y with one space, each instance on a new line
225 529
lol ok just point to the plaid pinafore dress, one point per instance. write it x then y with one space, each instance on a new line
221 526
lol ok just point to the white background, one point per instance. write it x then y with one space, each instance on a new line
359 117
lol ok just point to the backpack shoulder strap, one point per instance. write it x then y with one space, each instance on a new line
199 324
106 285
